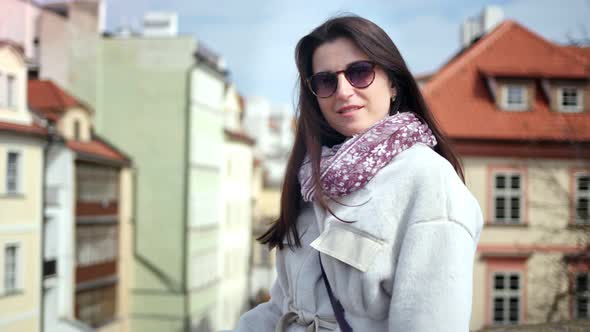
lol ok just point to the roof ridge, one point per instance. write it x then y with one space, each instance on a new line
453 66
487 40
558 47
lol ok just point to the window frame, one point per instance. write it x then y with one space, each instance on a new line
508 193
96 183
3 103
97 300
96 244
575 313
11 95
506 294
18 266
579 100
576 196
77 130
19 172
523 105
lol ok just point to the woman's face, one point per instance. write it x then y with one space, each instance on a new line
351 110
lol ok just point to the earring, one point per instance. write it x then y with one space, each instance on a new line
393 98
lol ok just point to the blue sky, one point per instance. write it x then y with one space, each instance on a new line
257 37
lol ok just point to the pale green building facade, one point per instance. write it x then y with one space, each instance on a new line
161 101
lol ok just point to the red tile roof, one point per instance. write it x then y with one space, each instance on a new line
581 50
239 136
458 96
18 47
33 129
98 150
50 100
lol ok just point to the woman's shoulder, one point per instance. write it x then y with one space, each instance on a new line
419 165
427 187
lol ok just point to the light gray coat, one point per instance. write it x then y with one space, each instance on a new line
405 264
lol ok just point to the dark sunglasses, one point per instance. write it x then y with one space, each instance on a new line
359 74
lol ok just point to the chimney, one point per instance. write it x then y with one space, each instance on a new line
160 24
475 27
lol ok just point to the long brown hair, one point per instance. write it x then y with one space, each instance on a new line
313 131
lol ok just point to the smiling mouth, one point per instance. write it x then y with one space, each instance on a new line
349 109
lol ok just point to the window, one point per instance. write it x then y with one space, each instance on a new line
507 198
581 296
96 183
97 307
569 99
515 97
49 268
11 91
76 130
11 266
582 199
12 172
2 90
50 234
506 298
96 244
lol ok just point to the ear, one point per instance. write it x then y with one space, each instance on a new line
393 92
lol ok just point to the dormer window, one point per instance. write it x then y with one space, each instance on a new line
569 99
2 90
76 130
11 91
515 97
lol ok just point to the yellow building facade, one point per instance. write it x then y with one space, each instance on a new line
21 171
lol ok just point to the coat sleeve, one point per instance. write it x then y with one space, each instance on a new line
264 317
433 278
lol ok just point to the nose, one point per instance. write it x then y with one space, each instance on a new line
344 89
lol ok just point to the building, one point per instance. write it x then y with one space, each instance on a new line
272 127
22 143
159 24
162 100
517 108
60 40
238 201
87 218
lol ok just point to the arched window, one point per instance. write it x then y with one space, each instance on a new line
77 130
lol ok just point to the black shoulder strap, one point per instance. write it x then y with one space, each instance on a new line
336 306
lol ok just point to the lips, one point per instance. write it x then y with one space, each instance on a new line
348 109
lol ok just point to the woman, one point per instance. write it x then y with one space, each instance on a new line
377 231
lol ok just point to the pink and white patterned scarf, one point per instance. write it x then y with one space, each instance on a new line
347 167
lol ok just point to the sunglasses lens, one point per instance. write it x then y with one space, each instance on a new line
323 84
360 74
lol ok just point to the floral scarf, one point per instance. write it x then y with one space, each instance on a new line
347 167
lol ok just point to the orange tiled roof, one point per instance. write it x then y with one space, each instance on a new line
239 136
458 96
33 129
581 50
50 100
98 149
13 44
